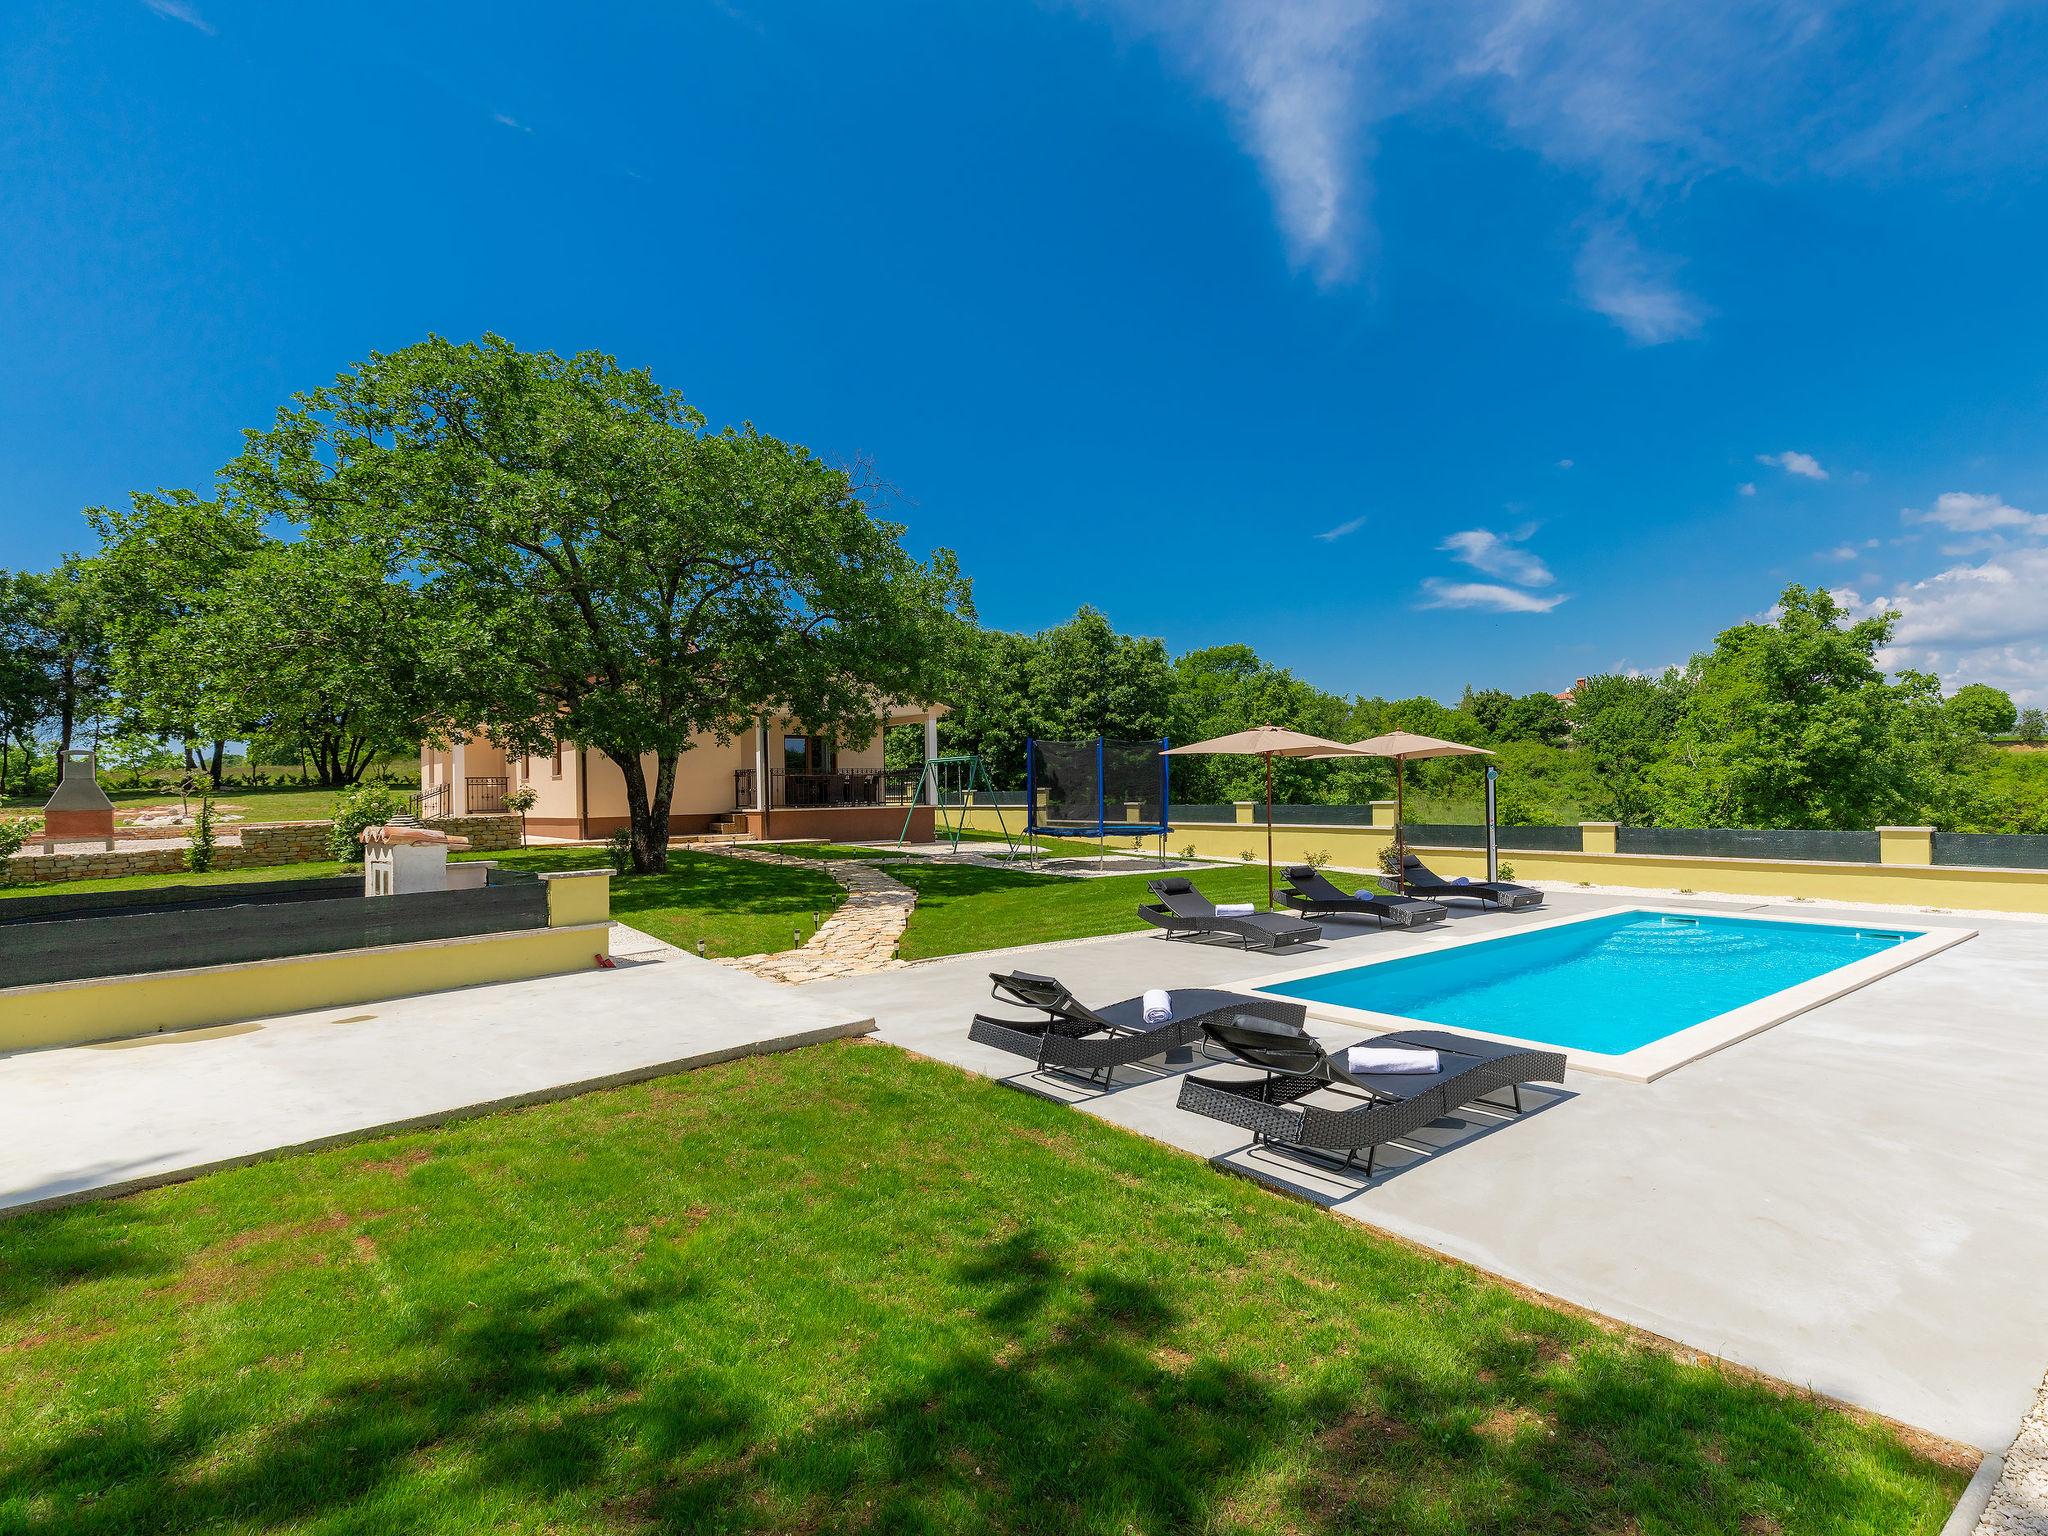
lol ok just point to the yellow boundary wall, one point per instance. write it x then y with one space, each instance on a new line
1906 877
118 1007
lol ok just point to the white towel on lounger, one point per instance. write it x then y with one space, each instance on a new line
1235 909
1158 1006
1391 1058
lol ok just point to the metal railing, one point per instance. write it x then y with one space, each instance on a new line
431 803
484 796
806 791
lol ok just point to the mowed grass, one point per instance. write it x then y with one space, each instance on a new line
964 907
847 1289
735 906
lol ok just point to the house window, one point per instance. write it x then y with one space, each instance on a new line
807 754
557 773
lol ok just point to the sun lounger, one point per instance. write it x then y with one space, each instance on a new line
1310 893
1183 910
1357 1111
1417 879
1092 1043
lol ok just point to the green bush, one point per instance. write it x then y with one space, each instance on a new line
199 851
619 849
366 805
15 831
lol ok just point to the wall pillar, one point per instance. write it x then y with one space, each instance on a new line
761 765
931 750
1245 811
1382 814
1905 845
458 778
1598 836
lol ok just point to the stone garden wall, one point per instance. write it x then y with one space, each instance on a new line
248 847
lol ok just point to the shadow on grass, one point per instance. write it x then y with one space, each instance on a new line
1072 1404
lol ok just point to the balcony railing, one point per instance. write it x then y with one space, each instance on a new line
431 803
485 796
805 791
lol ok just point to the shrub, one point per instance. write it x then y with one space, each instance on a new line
1317 859
520 801
15 831
1504 869
366 805
1246 855
1390 862
619 849
1188 852
199 849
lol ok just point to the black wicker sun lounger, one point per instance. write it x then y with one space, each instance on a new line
1417 879
1310 893
1275 1107
1183 910
1092 1043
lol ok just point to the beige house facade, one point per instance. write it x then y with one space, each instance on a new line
775 780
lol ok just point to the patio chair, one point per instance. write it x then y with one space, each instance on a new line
1276 1107
1308 891
1182 910
1417 879
1080 1041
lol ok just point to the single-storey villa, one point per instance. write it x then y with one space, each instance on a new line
775 780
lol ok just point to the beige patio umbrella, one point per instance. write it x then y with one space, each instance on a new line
1269 742
1402 746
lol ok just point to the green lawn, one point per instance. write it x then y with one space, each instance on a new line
963 907
846 1289
735 907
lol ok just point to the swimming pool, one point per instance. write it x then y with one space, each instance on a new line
1617 982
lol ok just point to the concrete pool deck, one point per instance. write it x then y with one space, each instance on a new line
121 1115
1849 1200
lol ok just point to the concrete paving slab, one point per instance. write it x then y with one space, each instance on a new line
104 1119
1849 1200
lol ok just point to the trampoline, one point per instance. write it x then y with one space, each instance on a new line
1096 789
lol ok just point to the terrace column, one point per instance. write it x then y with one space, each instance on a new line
761 764
458 778
931 750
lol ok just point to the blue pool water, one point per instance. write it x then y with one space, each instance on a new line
1608 984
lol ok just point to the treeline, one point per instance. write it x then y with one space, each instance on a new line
1786 723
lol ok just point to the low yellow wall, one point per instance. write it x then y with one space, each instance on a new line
1907 883
115 1007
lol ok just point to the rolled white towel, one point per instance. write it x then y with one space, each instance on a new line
1391 1058
1158 1006
1235 909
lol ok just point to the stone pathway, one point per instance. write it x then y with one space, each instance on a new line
860 937
2019 1502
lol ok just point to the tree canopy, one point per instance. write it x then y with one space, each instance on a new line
595 565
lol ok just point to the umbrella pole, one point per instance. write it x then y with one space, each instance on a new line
1400 834
1269 831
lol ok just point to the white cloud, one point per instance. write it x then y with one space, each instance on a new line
1747 488
1564 463
1981 623
1635 101
1495 554
1804 465
507 120
1439 593
1635 291
1349 526
1965 512
177 10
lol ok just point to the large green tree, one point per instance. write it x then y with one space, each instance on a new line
1793 723
1978 709
599 567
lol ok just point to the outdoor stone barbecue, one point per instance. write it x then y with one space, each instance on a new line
79 810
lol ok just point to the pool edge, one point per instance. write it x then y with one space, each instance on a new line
1648 1062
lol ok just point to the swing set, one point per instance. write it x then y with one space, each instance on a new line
950 786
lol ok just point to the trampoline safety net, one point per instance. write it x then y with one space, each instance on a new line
1098 788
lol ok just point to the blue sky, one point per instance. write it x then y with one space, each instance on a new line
1412 348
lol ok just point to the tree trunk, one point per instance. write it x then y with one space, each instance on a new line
649 813
213 768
